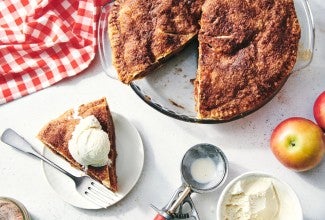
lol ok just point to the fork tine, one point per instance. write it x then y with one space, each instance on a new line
99 194
91 197
104 191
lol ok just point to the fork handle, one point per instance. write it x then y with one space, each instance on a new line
16 141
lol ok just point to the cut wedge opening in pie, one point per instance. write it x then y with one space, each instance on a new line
85 137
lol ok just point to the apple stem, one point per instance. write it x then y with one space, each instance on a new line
292 143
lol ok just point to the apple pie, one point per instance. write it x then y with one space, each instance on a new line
247 49
57 134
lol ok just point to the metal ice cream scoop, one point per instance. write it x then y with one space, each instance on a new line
204 167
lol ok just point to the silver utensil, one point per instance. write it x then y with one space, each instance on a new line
181 205
86 186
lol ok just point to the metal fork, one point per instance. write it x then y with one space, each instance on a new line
86 186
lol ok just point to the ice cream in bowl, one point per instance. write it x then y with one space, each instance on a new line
258 196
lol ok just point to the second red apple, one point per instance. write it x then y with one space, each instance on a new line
319 110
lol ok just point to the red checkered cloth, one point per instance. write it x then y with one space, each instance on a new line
43 42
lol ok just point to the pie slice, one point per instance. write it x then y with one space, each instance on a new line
58 132
247 50
143 34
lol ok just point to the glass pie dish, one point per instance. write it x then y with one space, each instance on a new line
169 89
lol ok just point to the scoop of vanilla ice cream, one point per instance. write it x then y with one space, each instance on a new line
89 144
263 199
252 199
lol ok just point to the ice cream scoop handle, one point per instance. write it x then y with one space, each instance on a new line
159 217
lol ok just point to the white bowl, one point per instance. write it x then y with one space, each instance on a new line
290 207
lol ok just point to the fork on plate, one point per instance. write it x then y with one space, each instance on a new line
85 185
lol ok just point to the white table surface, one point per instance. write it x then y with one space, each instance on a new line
244 141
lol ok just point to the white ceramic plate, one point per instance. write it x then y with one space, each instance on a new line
129 166
285 193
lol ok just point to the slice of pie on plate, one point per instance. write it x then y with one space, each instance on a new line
71 129
143 34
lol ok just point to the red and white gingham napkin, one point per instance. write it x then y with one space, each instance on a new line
43 42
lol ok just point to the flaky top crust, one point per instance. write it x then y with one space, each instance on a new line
247 50
143 34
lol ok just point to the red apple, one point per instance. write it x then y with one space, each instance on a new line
319 110
298 143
